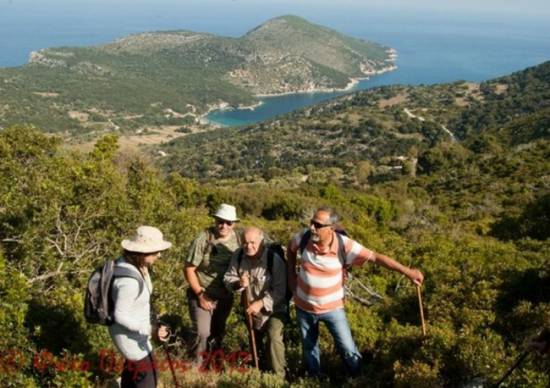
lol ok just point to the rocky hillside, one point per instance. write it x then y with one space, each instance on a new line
173 77
289 54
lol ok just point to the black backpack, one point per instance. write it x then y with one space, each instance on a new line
98 303
272 249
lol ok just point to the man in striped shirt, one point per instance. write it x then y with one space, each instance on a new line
318 287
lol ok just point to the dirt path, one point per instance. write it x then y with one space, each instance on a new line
413 116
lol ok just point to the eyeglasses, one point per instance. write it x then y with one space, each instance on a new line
318 225
219 221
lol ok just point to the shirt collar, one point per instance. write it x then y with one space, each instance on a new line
332 249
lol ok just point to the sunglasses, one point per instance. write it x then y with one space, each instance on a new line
318 225
221 222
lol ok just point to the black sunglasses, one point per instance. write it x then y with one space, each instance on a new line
318 225
219 221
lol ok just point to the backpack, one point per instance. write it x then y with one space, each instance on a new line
98 303
272 249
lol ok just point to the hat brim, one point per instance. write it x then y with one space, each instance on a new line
227 218
145 248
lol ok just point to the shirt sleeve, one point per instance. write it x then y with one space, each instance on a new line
277 292
125 291
357 254
195 254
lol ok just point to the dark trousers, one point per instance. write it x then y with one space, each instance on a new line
208 326
139 374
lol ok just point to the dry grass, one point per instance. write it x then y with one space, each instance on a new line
137 141
46 94
472 91
501 88
385 103
80 116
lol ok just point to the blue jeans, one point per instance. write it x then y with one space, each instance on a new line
337 323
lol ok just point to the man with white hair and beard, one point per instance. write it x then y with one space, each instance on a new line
319 290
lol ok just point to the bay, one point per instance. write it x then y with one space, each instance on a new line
432 54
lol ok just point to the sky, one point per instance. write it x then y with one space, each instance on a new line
528 8
512 7
28 25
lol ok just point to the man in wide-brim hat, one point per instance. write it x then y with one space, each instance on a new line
209 300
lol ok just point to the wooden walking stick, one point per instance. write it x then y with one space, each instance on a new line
421 310
250 326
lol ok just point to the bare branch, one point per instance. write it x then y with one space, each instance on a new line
13 240
47 275
53 274
56 246
93 248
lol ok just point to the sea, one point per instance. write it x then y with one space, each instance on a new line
433 45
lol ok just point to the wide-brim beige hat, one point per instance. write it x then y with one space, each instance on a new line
147 239
226 212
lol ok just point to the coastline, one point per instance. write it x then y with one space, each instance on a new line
351 84
353 81
202 119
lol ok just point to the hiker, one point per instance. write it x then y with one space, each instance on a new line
131 330
209 300
318 287
262 273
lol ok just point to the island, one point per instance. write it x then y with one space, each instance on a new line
169 80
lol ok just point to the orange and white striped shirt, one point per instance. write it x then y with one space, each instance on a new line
320 286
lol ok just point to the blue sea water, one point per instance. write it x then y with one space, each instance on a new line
427 55
434 45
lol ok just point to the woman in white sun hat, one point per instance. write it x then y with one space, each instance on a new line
131 331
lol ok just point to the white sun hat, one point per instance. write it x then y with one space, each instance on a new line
147 239
226 212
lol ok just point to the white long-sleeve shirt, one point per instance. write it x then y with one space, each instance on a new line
131 331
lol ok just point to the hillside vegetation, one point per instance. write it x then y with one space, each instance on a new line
471 212
173 77
386 127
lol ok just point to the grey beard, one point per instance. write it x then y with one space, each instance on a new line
314 238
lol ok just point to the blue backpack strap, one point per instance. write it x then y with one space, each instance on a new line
122 272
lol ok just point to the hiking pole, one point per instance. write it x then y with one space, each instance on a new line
249 324
421 310
516 364
166 352
171 365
